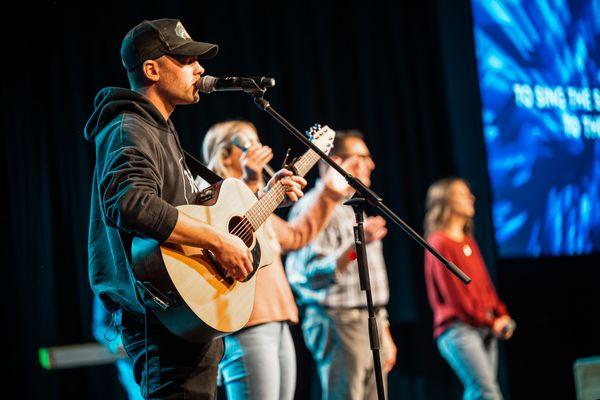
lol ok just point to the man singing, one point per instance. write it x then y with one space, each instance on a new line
139 178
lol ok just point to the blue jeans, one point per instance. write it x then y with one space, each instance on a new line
177 369
125 368
473 355
260 363
339 342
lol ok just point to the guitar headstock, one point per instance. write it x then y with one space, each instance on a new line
322 137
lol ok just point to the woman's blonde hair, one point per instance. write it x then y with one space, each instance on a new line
217 144
437 206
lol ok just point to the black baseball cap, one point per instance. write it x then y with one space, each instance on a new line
151 39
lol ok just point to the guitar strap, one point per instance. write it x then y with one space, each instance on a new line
198 168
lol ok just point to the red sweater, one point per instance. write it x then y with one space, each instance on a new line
476 304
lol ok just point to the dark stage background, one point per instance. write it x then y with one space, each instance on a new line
404 73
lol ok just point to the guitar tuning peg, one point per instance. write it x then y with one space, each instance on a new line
309 135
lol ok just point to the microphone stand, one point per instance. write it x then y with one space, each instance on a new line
358 205
363 195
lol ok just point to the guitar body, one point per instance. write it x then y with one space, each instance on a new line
185 286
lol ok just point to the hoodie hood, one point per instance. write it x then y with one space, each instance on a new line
113 101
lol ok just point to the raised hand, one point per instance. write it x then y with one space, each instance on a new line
253 161
336 182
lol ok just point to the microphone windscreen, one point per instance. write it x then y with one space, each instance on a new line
206 84
266 82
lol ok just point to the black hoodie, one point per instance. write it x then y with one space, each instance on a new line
140 175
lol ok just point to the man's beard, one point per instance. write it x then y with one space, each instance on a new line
192 98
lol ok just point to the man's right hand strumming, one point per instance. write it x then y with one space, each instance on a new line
229 250
234 256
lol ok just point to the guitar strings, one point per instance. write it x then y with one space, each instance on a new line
244 229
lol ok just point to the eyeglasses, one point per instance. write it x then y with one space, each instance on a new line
243 142
363 157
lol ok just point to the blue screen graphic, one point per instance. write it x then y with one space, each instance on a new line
539 78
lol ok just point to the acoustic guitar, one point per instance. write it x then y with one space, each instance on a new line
185 286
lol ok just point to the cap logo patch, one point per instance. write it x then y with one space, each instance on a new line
181 32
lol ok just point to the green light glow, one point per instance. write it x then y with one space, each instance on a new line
44 358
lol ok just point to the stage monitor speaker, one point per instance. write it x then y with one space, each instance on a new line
587 378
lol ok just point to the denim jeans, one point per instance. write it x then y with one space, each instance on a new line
125 368
473 354
339 342
260 363
177 369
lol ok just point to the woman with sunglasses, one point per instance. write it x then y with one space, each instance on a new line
260 360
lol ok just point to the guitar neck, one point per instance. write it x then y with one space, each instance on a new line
259 212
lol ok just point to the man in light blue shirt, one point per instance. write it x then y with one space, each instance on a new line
324 277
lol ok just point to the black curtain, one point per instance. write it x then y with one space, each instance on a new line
402 72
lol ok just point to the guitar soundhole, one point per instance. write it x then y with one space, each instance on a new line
241 227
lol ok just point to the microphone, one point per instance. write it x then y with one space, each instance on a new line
209 84
244 145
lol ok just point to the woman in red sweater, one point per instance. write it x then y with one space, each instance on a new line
467 320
